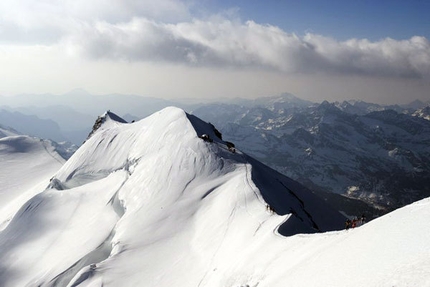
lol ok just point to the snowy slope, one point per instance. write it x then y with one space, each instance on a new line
152 204
26 164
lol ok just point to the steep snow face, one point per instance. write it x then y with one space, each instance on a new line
152 204
26 164
139 200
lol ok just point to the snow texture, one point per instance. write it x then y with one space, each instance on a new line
153 204
26 164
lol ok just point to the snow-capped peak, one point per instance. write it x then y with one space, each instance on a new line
108 115
174 140
106 120
166 202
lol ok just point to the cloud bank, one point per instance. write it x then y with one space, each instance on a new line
142 31
231 43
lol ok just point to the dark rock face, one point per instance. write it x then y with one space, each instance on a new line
102 119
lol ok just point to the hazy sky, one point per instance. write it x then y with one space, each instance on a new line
375 51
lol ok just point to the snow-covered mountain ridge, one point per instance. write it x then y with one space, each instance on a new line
138 199
152 203
271 129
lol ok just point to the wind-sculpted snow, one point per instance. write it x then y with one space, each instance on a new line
153 203
26 164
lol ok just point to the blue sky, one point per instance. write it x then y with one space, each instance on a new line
339 19
376 51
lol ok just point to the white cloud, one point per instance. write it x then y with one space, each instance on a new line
232 43
47 21
164 31
387 57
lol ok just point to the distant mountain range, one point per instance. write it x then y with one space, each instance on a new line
73 112
380 155
360 156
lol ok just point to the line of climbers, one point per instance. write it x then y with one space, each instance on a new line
229 145
355 222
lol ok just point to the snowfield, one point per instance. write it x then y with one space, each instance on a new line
26 164
151 204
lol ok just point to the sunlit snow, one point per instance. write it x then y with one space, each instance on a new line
151 204
26 164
